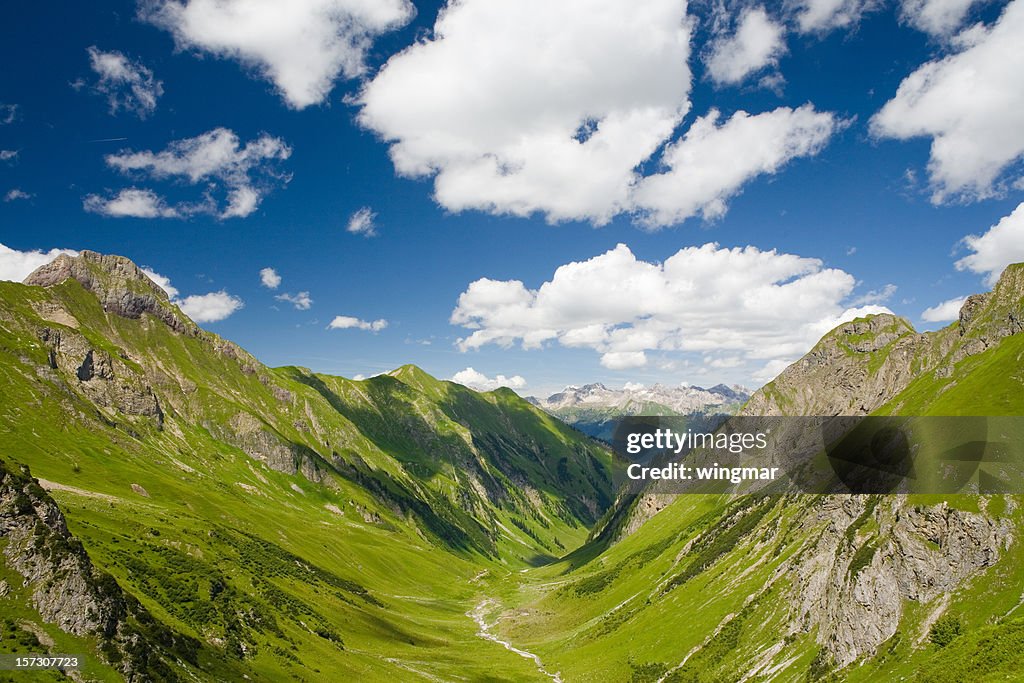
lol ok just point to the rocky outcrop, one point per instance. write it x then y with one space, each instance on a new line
853 587
861 365
257 440
106 379
67 590
853 370
121 286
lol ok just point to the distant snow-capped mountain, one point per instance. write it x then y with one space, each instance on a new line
635 400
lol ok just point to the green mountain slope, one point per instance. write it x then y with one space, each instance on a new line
288 524
798 587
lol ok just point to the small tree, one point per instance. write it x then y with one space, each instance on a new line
945 630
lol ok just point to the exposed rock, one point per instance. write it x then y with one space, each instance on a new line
139 490
853 370
853 590
105 379
66 589
258 441
119 284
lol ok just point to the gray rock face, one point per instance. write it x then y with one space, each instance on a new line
119 284
66 589
39 548
852 371
105 379
853 589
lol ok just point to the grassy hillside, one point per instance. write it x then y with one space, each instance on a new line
296 525
799 587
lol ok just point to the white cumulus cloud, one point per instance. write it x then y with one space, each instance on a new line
713 160
758 42
300 301
8 113
16 194
481 382
362 222
937 17
17 265
217 159
750 304
162 281
126 84
8 154
944 312
269 278
209 308
997 248
346 322
822 16
130 202
301 46
524 106
971 104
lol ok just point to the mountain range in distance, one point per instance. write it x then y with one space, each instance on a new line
596 410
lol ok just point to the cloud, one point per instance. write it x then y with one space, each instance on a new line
8 154
481 382
216 159
822 16
269 278
345 322
8 113
130 203
937 17
623 360
712 161
17 265
944 312
125 83
201 308
301 46
301 301
726 362
770 371
530 106
209 308
16 194
1000 246
972 106
757 43
162 281
362 223
743 302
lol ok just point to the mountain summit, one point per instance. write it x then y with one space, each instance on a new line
121 286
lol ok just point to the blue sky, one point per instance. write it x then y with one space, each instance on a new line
487 151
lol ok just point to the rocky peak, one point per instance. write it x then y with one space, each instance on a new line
120 285
987 318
